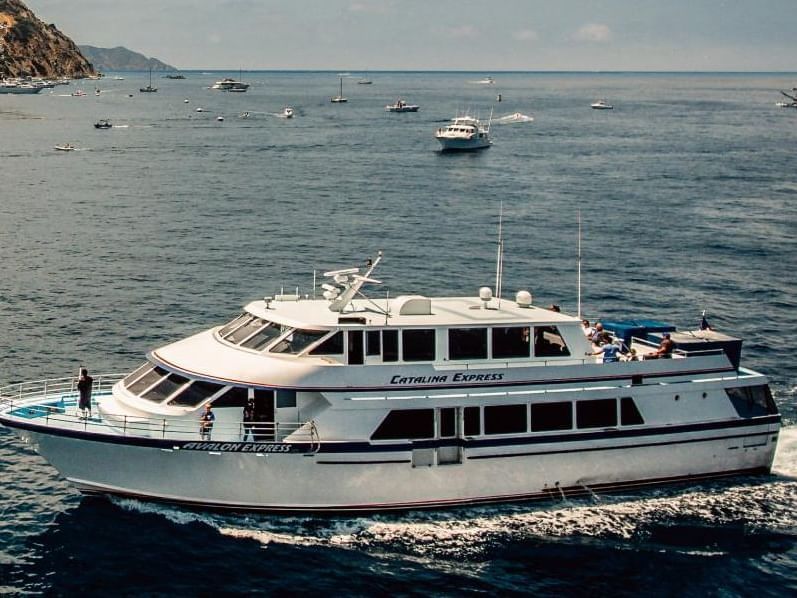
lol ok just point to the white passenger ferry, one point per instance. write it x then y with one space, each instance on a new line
407 402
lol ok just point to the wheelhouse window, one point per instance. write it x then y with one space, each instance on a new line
418 345
331 346
263 336
505 419
390 345
165 388
137 373
297 341
147 380
546 417
601 413
196 393
510 342
244 330
548 342
236 321
467 343
410 424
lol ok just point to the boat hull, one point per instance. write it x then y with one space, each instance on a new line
463 145
371 477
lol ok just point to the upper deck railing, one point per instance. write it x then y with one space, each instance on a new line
54 403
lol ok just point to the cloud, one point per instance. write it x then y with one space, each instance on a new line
525 35
378 8
593 32
462 31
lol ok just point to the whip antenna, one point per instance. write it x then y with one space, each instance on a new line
579 264
499 266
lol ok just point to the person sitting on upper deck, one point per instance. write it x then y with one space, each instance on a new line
601 337
589 331
665 348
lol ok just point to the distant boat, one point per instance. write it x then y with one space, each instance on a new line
464 133
230 84
118 78
486 81
103 124
149 88
287 112
401 106
65 147
16 87
339 99
364 80
78 93
601 105
174 76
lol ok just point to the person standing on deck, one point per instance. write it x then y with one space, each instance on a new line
206 422
84 386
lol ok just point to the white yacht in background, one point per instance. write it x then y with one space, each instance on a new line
485 81
601 105
464 133
361 403
19 87
229 84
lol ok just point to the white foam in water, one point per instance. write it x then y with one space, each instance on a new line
764 503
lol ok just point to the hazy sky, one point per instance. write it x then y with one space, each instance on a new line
440 34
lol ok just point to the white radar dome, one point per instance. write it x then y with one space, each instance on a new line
523 299
485 293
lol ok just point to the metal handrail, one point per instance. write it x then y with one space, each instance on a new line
21 395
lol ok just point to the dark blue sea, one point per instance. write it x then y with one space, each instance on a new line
170 221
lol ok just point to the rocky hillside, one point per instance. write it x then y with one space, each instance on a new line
29 47
122 59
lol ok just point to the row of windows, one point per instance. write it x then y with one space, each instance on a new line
155 384
419 424
500 342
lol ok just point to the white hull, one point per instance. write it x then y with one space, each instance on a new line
218 475
455 144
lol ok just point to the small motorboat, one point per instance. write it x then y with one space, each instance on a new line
200 109
103 124
78 93
287 112
220 118
65 147
401 106
601 105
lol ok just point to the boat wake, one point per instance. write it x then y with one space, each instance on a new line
758 504
516 117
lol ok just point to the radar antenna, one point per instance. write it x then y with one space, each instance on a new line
348 281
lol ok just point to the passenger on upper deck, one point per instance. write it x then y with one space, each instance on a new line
610 351
601 337
589 331
665 348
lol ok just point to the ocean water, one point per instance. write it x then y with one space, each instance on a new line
171 220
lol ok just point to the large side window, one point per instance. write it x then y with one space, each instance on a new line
331 346
548 342
511 342
373 342
390 345
472 421
418 345
467 343
600 413
196 393
234 397
752 401
629 414
297 341
412 424
505 419
551 416
137 373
